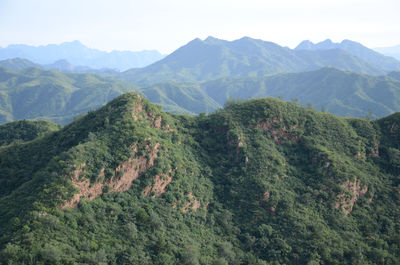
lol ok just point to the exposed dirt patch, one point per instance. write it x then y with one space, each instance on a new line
280 134
265 204
193 204
122 179
346 202
375 153
157 123
159 186
266 196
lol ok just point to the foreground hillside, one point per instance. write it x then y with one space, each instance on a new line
259 182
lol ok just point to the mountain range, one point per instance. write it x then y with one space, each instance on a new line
393 51
258 182
246 57
250 180
78 54
376 59
35 93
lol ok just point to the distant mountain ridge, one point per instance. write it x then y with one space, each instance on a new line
372 57
64 66
340 92
36 93
212 58
393 51
78 54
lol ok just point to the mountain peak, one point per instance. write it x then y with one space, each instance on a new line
213 40
75 43
327 41
304 45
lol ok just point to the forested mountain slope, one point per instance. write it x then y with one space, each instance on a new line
246 57
339 92
259 182
34 93
25 130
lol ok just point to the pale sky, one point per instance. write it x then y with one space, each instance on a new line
169 24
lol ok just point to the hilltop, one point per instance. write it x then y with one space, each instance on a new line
258 182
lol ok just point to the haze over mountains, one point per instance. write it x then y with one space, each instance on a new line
214 58
393 51
201 75
249 181
79 55
384 62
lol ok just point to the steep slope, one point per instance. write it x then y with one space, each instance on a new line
339 92
213 58
260 182
368 55
78 54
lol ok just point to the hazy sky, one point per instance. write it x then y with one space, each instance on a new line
166 25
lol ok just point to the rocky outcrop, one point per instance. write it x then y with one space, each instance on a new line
192 204
268 206
121 180
159 186
346 201
281 134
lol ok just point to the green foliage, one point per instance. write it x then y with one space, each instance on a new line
339 92
257 182
23 131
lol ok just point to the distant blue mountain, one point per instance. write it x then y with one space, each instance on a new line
213 58
368 55
393 51
78 54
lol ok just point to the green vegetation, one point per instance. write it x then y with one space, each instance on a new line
23 131
38 94
213 58
34 93
339 92
17 64
258 182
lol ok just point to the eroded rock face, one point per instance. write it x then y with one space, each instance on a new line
122 179
193 204
345 202
264 203
280 134
159 186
